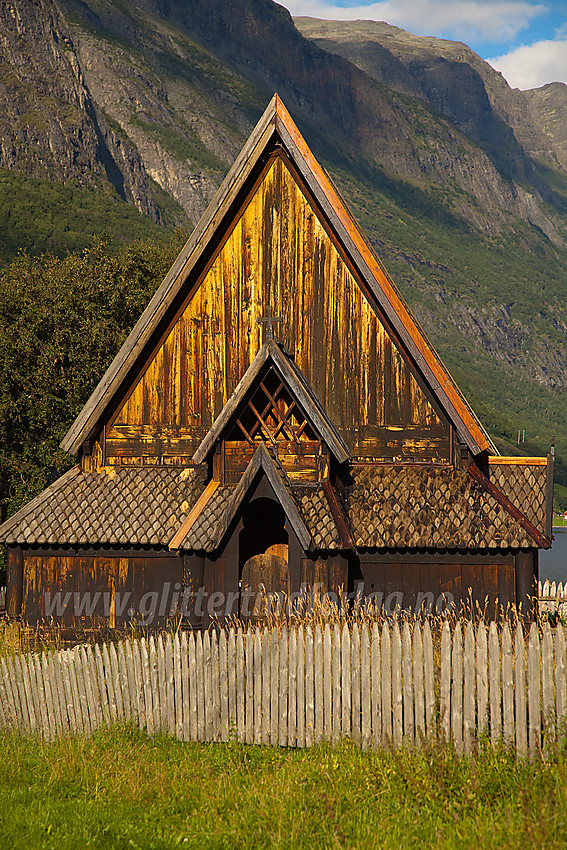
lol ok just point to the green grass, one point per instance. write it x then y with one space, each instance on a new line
120 789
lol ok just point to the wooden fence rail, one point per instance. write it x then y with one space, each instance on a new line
301 686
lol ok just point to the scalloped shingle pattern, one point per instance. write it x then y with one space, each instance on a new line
404 506
133 506
318 518
202 533
525 487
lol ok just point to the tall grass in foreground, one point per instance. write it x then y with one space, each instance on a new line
120 789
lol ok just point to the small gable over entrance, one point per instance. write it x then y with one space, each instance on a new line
218 464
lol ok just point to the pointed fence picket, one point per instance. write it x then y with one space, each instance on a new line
299 686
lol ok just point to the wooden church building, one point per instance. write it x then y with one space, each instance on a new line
276 421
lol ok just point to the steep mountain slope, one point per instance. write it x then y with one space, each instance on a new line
463 194
506 122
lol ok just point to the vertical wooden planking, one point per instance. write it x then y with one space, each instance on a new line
57 678
185 687
355 683
224 687
154 684
116 681
36 692
76 662
457 690
170 684
249 687
257 687
240 688
284 686
309 688
376 686
5 697
507 686
365 689
177 687
207 687
336 724
26 701
266 685
346 683
232 667
386 659
428 675
20 697
292 689
274 680
30 690
445 683
300 687
495 686
215 688
200 686
56 671
547 685
147 686
397 693
327 683
161 689
520 693
193 685
42 690
560 682
132 681
139 681
319 686
123 676
419 689
534 683
469 672
482 679
52 700
408 690
102 686
93 692
12 699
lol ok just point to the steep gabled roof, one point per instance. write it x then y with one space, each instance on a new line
261 461
299 388
276 126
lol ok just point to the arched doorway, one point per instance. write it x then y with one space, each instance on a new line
263 558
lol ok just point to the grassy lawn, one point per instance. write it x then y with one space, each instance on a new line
120 789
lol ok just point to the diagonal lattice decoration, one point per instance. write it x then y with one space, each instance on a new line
272 415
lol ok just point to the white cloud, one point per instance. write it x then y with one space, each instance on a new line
498 21
534 65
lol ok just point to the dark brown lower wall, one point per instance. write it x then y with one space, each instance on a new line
94 590
477 583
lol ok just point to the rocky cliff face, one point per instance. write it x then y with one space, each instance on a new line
459 181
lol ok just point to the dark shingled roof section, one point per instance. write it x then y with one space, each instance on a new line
437 507
133 506
203 531
318 517
525 487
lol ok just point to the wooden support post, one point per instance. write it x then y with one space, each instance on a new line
14 581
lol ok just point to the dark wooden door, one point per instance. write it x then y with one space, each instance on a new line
265 582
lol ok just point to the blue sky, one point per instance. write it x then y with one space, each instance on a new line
525 40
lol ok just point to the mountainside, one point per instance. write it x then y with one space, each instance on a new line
459 181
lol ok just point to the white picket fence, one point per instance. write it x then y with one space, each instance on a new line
301 686
552 597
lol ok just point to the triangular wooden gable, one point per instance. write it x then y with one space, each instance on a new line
277 234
